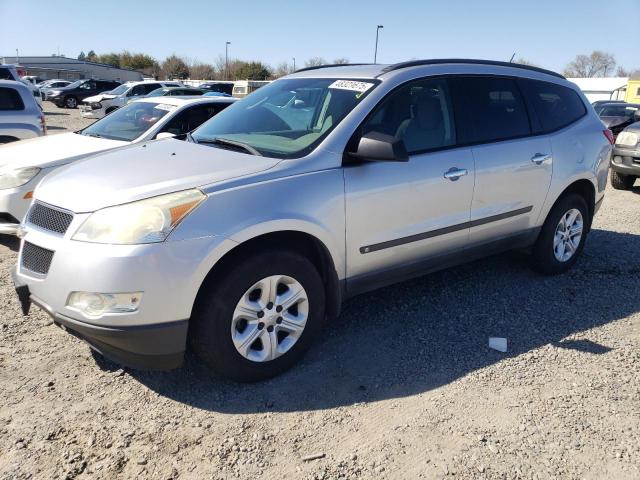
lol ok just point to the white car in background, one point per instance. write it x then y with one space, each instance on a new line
103 104
20 115
24 164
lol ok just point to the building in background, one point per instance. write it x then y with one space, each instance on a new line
602 88
71 69
633 91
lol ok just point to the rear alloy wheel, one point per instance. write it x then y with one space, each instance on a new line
562 237
620 181
70 102
256 319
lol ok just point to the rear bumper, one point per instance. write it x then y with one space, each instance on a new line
149 347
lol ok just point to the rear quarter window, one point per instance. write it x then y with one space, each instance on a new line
10 100
554 105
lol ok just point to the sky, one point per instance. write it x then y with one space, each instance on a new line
549 33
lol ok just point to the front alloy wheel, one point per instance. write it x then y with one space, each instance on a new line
71 102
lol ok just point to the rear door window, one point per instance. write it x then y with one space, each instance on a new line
489 109
10 100
555 106
5 74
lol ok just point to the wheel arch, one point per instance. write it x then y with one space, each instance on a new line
583 187
295 240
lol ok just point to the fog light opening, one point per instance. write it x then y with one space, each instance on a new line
93 304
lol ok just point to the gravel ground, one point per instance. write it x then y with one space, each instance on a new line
60 120
401 386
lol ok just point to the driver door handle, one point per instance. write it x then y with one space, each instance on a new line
540 158
455 173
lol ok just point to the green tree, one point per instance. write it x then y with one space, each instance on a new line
253 71
175 67
82 56
91 56
110 59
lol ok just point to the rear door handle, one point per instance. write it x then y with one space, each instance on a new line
455 173
540 158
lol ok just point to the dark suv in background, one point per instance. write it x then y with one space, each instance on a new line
73 94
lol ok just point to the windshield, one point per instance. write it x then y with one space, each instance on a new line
118 90
74 84
128 123
287 118
158 92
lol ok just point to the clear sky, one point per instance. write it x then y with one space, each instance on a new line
547 32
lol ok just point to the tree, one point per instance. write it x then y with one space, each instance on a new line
253 71
202 71
598 64
175 67
341 61
91 56
82 56
137 61
284 68
524 61
110 59
315 62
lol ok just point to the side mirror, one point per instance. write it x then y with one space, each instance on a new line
162 135
381 147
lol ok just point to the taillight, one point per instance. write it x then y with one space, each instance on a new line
609 134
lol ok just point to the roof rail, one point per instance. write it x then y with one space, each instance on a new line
440 61
332 65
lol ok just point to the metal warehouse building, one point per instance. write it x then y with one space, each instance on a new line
71 69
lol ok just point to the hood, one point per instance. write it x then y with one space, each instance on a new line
142 171
53 150
99 98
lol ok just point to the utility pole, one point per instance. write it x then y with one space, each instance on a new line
375 54
294 64
17 57
226 60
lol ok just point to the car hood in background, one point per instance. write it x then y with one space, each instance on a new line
53 150
99 98
142 171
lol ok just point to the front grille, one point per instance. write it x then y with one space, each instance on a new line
49 218
36 259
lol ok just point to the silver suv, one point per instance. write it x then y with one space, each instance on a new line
243 239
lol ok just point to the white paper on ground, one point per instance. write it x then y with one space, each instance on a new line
498 343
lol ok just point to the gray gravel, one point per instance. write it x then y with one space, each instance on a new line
402 385
60 120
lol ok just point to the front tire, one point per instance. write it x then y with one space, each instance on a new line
257 319
562 237
620 181
71 102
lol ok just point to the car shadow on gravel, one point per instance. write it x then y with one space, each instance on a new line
421 334
55 113
11 242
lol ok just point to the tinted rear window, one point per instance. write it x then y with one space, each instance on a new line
5 74
10 99
490 109
555 106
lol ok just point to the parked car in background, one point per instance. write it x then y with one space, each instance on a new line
71 95
33 79
100 105
48 85
625 162
218 86
617 116
242 88
599 103
20 116
10 72
175 92
324 184
24 164
217 94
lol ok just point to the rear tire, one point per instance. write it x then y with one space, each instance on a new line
620 181
558 246
214 323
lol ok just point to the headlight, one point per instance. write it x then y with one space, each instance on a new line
627 139
145 221
17 177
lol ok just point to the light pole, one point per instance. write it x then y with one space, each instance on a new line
226 60
294 64
375 54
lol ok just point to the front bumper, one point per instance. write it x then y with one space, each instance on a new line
626 161
148 347
13 206
87 111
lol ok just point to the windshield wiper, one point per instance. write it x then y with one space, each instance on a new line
230 143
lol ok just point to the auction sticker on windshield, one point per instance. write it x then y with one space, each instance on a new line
163 106
352 85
